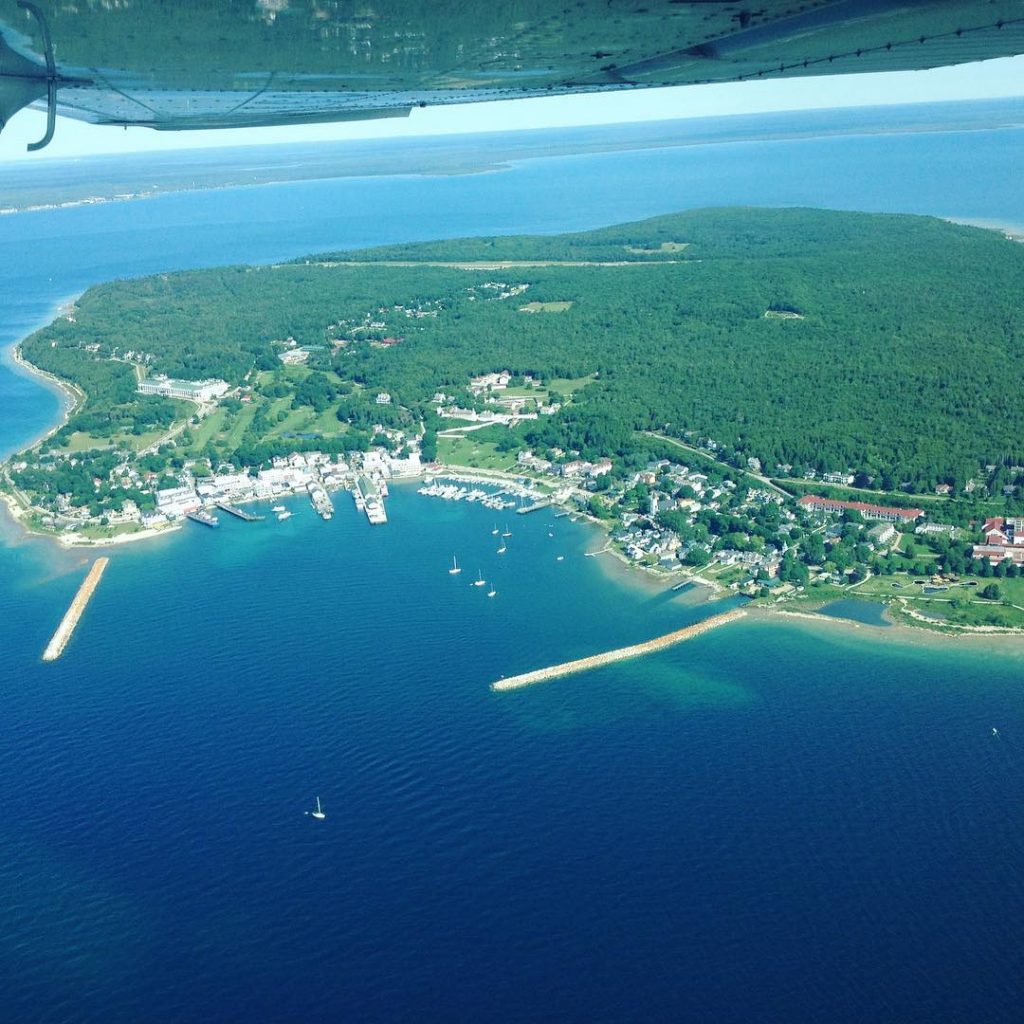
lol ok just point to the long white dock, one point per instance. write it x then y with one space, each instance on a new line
542 675
55 648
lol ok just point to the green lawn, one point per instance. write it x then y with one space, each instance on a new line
97 532
240 425
539 393
960 604
984 613
208 428
568 386
546 307
327 422
80 441
466 451
297 421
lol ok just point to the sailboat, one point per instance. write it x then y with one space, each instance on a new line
479 581
318 813
491 592
454 570
494 532
508 532
502 549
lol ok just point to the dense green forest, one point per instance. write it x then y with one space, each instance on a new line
880 344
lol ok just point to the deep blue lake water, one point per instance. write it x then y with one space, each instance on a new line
770 823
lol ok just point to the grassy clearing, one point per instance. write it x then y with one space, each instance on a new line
984 613
566 387
664 247
81 441
327 422
278 406
539 393
240 425
879 588
208 428
960 604
97 532
546 307
473 454
296 421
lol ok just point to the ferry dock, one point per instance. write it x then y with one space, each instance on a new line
369 496
234 510
59 640
320 499
535 507
203 517
542 675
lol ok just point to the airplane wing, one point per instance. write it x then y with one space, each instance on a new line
242 63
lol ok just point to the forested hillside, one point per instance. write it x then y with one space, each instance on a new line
881 344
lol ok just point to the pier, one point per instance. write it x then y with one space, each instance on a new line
55 648
234 510
542 675
535 507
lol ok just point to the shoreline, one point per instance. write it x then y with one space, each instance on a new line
620 569
1012 232
15 512
894 632
71 396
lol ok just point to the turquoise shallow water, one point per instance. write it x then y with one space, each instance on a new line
772 822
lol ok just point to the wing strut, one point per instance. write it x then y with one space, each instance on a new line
51 77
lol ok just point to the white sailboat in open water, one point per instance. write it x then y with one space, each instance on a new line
318 813
454 570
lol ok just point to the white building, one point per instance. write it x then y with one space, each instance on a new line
232 482
176 501
189 390
409 466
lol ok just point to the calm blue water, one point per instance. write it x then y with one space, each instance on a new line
769 823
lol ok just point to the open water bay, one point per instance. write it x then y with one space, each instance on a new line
773 822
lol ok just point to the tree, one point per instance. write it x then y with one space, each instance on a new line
697 557
991 592
813 549
793 571
428 446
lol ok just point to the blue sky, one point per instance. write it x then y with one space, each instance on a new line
994 78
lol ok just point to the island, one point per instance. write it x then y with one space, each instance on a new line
796 405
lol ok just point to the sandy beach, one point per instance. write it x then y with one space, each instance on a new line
895 632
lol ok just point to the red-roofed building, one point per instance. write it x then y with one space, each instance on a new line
1004 538
883 512
996 553
998 530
